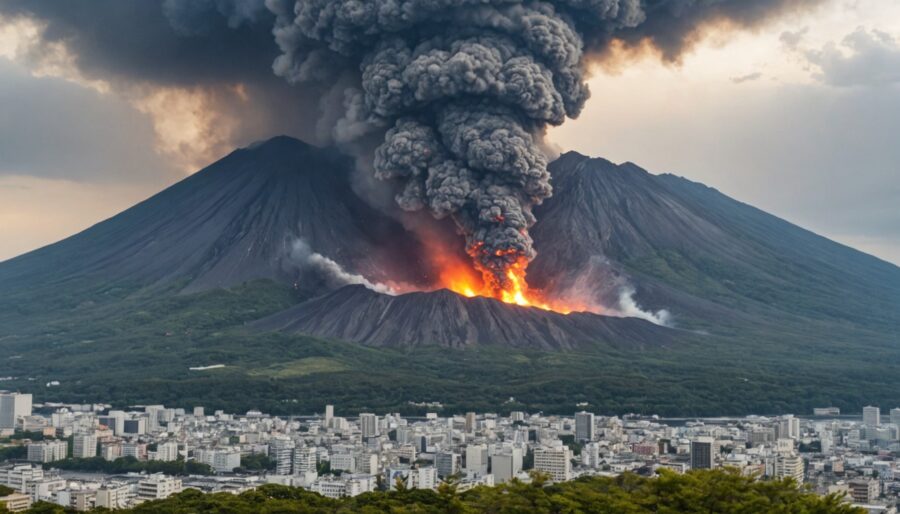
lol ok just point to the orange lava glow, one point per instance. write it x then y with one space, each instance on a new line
462 279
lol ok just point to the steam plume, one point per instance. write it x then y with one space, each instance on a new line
308 260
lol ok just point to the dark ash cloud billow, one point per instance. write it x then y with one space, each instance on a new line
464 89
455 94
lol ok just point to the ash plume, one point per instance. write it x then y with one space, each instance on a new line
458 93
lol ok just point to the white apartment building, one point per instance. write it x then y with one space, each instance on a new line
48 451
556 461
84 446
113 496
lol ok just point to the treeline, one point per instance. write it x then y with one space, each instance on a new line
696 492
123 465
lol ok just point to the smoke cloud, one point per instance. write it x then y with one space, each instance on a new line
463 90
308 260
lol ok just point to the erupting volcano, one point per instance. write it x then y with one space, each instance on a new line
456 96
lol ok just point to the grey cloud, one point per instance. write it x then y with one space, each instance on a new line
56 129
863 58
750 77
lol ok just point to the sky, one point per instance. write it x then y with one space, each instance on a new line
798 116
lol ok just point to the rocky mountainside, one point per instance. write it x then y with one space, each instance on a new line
233 221
608 230
354 313
690 249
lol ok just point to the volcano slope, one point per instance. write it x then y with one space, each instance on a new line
768 317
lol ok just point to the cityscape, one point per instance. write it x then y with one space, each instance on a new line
94 456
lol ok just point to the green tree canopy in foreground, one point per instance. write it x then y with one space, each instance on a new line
696 492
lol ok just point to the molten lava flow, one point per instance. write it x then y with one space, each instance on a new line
460 278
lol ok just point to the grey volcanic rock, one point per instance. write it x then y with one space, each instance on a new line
688 248
231 222
354 313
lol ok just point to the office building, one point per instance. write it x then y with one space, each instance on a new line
871 416
702 453
584 426
13 407
447 463
895 416
368 424
477 458
470 422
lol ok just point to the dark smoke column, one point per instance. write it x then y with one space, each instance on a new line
464 90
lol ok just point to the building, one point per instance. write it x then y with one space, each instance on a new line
447 464
556 461
329 415
112 497
505 466
166 452
864 491
224 461
111 451
136 450
305 460
895 416
788 427
826 411
136 426
48 451
584 426
84 446
282 452
477 458
789 466
158 487
368 424
16 502
13 407
470 422
423 478
702 453
871 416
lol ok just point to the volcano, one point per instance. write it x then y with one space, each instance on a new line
206 270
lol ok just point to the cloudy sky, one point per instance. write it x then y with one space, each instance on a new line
799 116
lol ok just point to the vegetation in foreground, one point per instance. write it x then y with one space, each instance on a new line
696 492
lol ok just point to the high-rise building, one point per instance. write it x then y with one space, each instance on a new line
368 424
304 460
470 422
329 414
584 426
477 458
84 446
789 466
556 461
788 427
702 453
871 416
282 452
198 412
895 416
506 464
447 463
13 406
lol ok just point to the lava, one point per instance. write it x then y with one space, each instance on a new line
462 279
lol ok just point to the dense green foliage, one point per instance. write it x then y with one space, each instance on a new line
6 491
13 452
137 350
257 462
130 464
695 492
